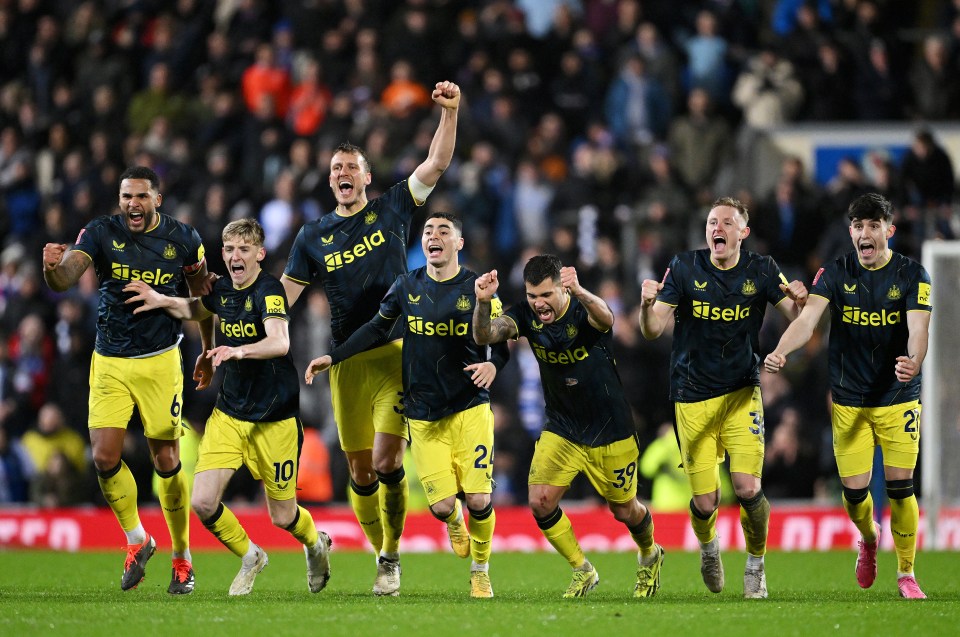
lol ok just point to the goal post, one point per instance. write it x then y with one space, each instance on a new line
940 424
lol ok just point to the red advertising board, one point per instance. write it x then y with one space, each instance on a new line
791 529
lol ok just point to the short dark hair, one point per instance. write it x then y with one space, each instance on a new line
352 149
733 203
542 267
452 217
871 207
142 172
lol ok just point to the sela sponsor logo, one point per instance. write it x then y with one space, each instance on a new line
239 329
416 325
856 316
703 310
123 272
566 357
336 260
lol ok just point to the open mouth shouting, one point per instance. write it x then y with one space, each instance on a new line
867 250
545 313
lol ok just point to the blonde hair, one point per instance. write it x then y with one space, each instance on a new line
247 229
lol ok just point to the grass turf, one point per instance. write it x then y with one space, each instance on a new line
810 594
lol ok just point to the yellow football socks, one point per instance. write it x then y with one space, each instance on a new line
174 495
366 506
226 527
859 506
558 530
481 533
120 490
303 527
393 508
755 520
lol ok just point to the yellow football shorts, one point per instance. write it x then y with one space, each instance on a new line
454 453
365 391
857 430
270 450
154 384
733 424
611 469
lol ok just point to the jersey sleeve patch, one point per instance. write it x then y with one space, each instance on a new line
923 294
275 304
496 307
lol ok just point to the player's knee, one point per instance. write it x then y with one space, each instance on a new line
105 460
541 505
624 512
387 464
203 507
441 510
746 491
282 518
707 503
477 501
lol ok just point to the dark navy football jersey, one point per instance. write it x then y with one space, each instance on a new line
438 343
253 390
718 314
158 257
868 327
357 258
584 398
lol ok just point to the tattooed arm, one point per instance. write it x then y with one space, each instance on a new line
485 329
62 268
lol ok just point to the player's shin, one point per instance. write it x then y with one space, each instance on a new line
174 495
226 527
303 527
482 523
755 520
366 506
120 490
558 530
393 508
904 522
859 506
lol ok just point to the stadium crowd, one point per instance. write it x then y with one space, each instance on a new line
596 130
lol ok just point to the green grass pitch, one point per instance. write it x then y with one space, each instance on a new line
43 593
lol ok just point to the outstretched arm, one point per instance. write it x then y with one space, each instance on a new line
185 309
797 333
447 95
274 345
200 283
599 313
62 268
485 329
368 334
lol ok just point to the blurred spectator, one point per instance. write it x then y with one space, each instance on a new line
309 100
700 145
266 85
936 87
636 107
828 86
768 91
16 469
707 58
158 99
661 464
878 92
59 456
